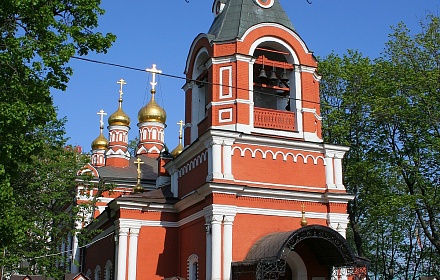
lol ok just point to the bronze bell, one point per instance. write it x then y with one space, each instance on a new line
284 77
262 78
273 77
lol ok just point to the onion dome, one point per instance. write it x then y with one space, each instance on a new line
177 151
119 117
100 143
152 112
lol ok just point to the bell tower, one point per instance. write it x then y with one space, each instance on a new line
252 73
253 144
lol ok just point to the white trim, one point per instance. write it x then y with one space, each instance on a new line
225 111
313 111
191 50
291 32
275 154
229 102
228 70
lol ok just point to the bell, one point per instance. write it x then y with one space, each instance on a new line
273 77
284 77
262 78
288 105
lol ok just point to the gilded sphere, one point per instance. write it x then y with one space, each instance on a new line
152 112
100 143
177 151
119 118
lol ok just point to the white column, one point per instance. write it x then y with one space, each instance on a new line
227 159
338 170
75 255
209 176
208 246
216 235
174 180
216 159
122 254
132 257
329 179
227 246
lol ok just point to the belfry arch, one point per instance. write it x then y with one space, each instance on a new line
274 81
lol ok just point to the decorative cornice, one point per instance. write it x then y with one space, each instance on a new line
275 154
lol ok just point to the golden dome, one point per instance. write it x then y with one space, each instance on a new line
177 151
119 118
100 143
152 112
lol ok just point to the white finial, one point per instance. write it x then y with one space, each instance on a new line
121 82
181 124
154 71
101 121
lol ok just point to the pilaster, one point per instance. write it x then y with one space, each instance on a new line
132 257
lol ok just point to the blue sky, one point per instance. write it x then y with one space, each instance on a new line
161 31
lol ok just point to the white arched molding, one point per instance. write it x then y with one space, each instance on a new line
193 267
108 270
295 91
297 265
97 273
198 93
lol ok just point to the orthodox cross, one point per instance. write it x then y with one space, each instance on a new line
139 162
154 71
121 82
101 121
180 123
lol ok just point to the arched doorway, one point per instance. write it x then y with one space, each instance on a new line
309 252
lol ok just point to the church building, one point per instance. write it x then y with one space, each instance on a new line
250 192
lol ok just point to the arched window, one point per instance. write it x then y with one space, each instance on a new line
89 273
193 267
108 270
98 273
201 94
273 76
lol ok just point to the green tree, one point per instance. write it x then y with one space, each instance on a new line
37 39
387 111
44 190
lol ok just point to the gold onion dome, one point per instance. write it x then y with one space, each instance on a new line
119 118
152 112
177 151
100 143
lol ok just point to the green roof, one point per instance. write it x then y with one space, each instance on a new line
240 15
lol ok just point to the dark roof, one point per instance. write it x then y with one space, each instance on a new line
239 15
129 173
328 246
162 195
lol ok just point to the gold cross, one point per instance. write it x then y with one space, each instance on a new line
121 82
180 123
154 71
139 162
101 122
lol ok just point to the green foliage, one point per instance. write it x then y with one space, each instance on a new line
37 39
387 111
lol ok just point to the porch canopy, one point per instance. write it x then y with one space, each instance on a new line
267 257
